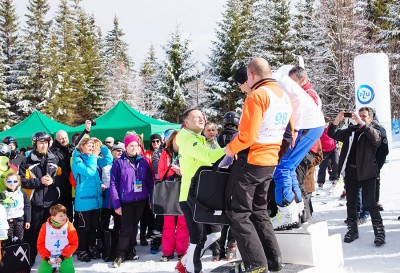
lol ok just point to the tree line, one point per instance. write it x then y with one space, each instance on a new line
66 68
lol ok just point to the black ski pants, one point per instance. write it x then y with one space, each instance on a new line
368 193
331 157
131 213
86 224
251 226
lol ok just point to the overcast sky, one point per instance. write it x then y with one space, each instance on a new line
152 21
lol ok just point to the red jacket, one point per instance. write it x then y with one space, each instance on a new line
308 88
68 250
328 144
163 165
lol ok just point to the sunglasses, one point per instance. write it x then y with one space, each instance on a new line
155 141
12 181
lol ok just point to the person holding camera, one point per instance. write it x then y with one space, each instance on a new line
63 149
86 164
358 166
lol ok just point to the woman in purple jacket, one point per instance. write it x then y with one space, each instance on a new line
131 185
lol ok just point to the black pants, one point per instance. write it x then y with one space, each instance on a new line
197 233
251 226
368 193
39 216
131 213
105 216
331 158
147 221
86 224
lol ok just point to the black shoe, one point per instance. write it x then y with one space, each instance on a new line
83 256
379 231
143 241
275 264
166 258
94 253
131 256
118 261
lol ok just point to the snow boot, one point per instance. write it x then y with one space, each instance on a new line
94 253
275 264
352 232
155 243
287 217
231 250
379 231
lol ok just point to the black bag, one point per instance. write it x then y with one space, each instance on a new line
166 196
207 194
16 257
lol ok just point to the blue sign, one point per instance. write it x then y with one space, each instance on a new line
365 94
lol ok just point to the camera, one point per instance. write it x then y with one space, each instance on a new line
93 122
348 115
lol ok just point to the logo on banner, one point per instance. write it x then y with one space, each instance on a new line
365 94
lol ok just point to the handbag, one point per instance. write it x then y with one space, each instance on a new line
207 194
166 196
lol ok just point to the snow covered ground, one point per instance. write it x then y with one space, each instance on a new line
359 256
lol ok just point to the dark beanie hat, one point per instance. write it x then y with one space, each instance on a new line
155 136
240 75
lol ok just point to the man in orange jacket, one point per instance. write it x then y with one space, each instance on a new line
57 242
266 113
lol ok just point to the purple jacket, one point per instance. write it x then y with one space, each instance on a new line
130 182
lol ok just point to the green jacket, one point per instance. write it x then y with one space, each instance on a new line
194 152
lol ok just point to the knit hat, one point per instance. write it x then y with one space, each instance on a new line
130 138
155 136
110 139
240 76
118 145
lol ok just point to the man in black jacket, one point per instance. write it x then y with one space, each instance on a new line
43 175
359 168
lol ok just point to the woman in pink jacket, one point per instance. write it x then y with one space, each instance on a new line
175 234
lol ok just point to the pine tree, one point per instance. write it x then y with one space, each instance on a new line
120 76
36 34
3 105
89 43
11 52
278 41
178 70
148 95
68 72
228 53
303 27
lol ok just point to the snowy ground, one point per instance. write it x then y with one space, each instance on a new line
359 256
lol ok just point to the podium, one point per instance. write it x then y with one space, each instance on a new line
311 245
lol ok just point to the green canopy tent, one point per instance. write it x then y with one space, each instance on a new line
36 122
122 118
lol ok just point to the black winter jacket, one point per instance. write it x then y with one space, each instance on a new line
33 168
367 144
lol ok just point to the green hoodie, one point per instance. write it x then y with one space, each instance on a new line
194 152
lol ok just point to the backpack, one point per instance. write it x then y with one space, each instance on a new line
383 149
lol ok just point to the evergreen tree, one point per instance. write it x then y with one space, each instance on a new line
228 53
89 43
68 89
3 105
36 34
278 41
120 76
304 29
178 70
148 95
11 52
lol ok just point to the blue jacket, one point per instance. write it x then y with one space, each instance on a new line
86 170
123 179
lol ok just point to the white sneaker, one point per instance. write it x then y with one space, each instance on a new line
286 217
332 190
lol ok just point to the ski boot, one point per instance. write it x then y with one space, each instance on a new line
352 232
287 217
155 243
379 231
231 250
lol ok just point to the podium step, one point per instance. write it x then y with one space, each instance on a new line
235 267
